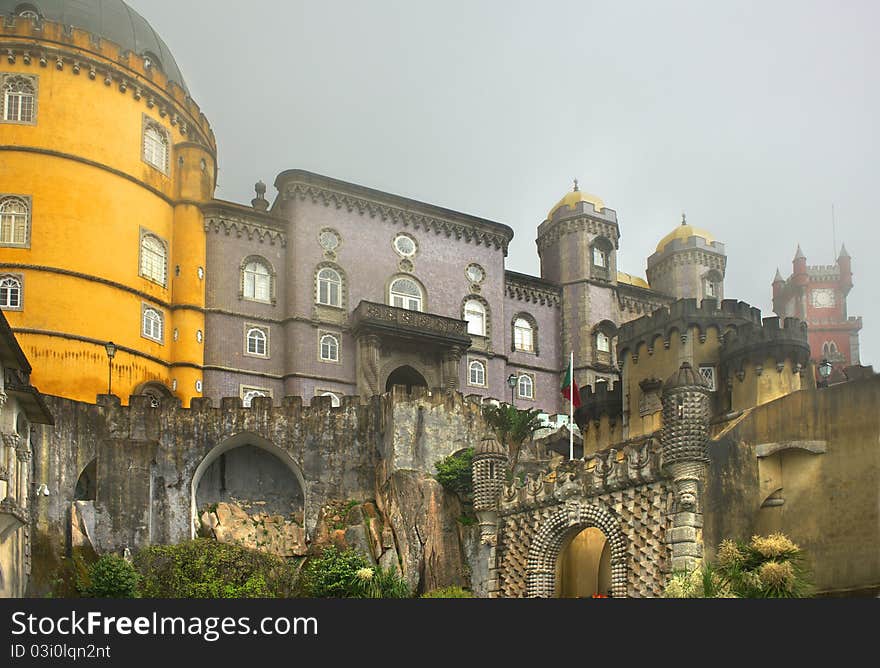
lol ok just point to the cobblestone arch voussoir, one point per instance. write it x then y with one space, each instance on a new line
573 518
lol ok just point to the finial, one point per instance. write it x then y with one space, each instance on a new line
843 252
799 255
575 185
259 202
683 218
778 278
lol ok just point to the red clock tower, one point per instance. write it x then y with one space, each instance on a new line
817 295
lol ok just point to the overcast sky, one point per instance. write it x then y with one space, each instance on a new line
753 117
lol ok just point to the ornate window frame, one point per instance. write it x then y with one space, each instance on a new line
258 259
335 397
519 385
31 80
149 307
26 201
423 292
245 390
322 334
709 372
18 278
408 256
330 253
605 247
251 327
601 357
533 323
149 122
144 234
343 286
487 323
471 362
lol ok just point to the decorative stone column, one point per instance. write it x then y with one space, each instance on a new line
685 438
489 469
8 465
369 351
451 362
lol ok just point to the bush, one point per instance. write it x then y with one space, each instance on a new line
382 583
454 472
336 573
448 592
204 568
110 576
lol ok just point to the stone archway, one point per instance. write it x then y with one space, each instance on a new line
547 545
241 441
405 375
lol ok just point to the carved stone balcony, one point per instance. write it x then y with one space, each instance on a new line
387 320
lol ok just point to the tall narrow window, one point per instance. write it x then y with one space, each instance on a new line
603 342
329 348
523 335
475 315
10 292
477 373
156 146
14 218
19 99
153 259
329 287
256 282
526 387
257 342
152 324
405 293
600 257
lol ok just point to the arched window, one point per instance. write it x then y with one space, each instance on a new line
475 315
248 394
153 259
334 398
600 257
19 99
523 335
156 146
329 287
152 60
477 373
329 348
257 342
603 342
10 292
152 324
256 281
14 219
712 285
526 387
406 293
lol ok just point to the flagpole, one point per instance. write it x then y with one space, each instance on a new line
571 409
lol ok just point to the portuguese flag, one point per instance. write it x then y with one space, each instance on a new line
570 388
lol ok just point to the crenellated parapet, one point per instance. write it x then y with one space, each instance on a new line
603 400
679 319
777 339
628 465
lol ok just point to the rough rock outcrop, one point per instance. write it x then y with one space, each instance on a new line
275 534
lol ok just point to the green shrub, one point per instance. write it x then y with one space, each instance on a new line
204 568
382 583
454 472
110 576
448 592
334 573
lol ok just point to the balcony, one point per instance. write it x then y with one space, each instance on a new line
387 320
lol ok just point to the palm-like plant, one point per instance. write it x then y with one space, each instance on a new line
513 427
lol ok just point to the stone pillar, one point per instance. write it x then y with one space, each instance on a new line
369 351
685 438
451 362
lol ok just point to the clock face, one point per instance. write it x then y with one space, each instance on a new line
823 297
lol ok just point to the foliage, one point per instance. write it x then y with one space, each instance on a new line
204 568
448 592
512 427
454 472
765 567
111 576
336 573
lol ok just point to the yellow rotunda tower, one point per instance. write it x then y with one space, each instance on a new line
105 162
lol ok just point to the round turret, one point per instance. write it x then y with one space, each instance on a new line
685 433
489 470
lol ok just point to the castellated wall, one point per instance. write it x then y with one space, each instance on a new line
150 464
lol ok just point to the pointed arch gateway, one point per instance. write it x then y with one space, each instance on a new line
548 543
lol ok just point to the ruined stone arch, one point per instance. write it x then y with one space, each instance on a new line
546 546
231 443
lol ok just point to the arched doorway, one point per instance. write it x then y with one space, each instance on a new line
405 375
87 483
584 566
546 557
251 473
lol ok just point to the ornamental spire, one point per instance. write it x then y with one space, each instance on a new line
575 185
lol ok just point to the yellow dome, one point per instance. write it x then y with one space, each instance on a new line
571 199
629 279
684 232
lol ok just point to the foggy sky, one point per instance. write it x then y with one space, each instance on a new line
753 117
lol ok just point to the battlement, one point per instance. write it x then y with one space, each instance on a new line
603 400
45 43
776 338
682 315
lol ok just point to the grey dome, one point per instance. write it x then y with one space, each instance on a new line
111 19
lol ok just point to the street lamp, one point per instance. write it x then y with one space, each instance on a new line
512 380
824 372
110 347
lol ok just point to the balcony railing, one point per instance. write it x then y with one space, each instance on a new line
385 319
